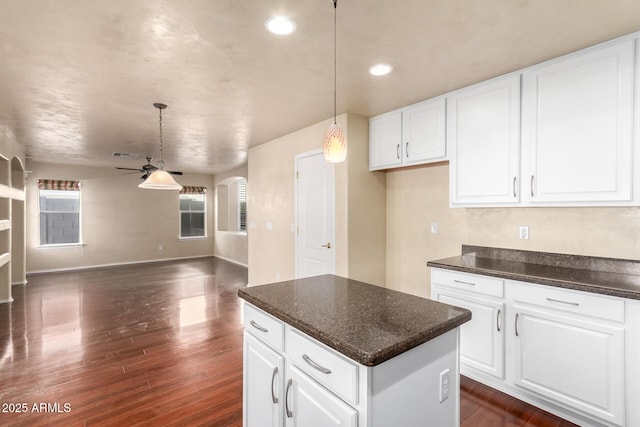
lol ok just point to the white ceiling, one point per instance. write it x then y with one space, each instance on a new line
78 77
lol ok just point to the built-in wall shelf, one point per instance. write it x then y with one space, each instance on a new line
17 194
5 191
12 225
4 258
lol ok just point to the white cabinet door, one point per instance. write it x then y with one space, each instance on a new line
424 132
574 362
482 338
308 404
412 135
577 128
263 389
385 140
483 132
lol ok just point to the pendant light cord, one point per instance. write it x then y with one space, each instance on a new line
335 62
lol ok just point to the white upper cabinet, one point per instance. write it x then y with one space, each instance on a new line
572 146
483 132
412 135
424 132
385 140
577 128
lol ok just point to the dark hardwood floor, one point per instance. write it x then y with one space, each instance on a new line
151 344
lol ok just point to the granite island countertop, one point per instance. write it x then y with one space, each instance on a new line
609 276
366 323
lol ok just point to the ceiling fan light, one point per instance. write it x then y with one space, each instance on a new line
334 145
160 180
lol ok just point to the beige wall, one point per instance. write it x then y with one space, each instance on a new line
229 245
419 196
271 199
366 216
121 223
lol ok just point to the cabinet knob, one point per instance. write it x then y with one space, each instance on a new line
406 149
286 399
328 245
315 365
274 399
398 151
258 327
516 323
531 185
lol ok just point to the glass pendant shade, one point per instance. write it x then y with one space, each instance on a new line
334 145
160 180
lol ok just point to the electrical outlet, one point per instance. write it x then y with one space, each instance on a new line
161 248
524 232
434 228
444 385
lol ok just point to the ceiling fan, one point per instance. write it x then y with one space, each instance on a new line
148 169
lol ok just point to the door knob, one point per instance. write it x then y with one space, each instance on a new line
328 246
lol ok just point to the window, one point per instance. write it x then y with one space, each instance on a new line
242 205
232 205
59 204
193 212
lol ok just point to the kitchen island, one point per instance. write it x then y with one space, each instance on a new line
327 350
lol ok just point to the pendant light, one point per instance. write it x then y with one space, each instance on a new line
334 144
160 179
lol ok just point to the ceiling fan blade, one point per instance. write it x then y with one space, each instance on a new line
131 169
175 172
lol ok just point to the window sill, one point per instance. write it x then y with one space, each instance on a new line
193 238
63 245
236 233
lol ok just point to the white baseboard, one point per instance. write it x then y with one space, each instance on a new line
115 264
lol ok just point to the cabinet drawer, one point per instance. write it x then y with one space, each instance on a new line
264 326
468 282
569 301
328 367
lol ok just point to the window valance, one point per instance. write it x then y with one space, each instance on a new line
193 190
56 184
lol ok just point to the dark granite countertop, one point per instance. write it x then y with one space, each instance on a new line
609 276
366 323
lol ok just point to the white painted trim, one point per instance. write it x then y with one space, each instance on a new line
231 261
4 301
115 264
22 282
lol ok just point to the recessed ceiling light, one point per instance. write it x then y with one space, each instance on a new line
281 25
380 69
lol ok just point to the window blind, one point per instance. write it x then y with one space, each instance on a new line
56 184
193 190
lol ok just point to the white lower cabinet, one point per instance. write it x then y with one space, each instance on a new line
292 380
574 358
482 338
569 352
311 405
263 385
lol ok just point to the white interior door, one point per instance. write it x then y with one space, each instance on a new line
315 215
